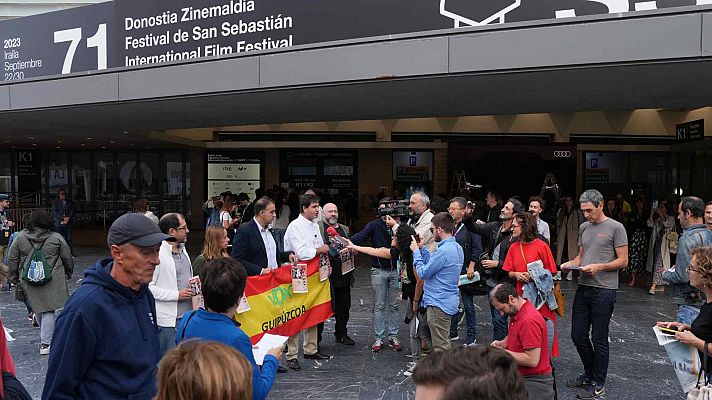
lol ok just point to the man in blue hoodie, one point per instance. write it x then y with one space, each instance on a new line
106 340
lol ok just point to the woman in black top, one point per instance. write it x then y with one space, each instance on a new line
700 271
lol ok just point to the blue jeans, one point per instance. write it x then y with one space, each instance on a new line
468 304
591 314
166 338
499 322
385 287
687 313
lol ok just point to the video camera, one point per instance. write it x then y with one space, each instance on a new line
394 208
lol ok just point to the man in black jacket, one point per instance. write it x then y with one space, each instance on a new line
255 244
498 235
340 283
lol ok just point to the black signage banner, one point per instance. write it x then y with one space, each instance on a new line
690 131
29 178
305 169
136 32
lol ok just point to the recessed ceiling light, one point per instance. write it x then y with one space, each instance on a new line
89 138
59 141
7 141
32 137
103 147
112 142
34 144
83 144
59 147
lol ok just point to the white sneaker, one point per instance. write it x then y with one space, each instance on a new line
557 277
410 369
44 349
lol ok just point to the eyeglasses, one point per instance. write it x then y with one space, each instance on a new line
182 227
689 268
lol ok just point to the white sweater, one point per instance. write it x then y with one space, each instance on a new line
164 286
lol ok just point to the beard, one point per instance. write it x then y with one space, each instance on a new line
332 220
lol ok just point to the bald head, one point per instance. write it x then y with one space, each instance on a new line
331 214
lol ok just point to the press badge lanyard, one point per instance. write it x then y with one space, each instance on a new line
458 229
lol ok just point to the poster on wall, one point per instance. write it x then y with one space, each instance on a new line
234 171
412 166
304 169
29 178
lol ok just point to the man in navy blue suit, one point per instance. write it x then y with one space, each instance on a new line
255 245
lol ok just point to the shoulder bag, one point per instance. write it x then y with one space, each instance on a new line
703 392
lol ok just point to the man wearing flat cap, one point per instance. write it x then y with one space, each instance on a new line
106 340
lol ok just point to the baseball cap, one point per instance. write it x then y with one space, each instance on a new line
4 196
136 229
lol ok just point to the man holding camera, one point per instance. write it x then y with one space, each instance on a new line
384 280
420 217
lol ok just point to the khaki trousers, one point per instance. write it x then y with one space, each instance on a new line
439 324
309 345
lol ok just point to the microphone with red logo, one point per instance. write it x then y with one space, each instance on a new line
335 238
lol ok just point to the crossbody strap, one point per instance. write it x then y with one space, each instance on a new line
521 249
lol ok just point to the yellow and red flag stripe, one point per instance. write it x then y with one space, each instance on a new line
275 309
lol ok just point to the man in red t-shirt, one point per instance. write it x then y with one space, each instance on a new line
527 341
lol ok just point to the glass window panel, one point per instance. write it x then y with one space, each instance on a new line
105 181
150 179
128 181
5 172
80 191
173 181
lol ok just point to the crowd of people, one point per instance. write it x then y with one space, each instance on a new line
437 257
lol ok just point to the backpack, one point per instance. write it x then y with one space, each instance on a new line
37 270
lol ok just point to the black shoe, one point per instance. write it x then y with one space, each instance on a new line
345 340
282 369
294 364
317 356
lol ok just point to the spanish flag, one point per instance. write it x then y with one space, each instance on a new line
275 309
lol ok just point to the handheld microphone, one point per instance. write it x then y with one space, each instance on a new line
336 238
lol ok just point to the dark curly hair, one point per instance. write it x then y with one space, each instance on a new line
529 229
403 239
38 220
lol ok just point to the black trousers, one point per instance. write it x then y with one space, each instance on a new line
341 305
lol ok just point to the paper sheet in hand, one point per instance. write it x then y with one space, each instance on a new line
684 359
465 281
268 342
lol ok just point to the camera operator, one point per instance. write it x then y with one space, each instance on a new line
498 235
420 216
384 280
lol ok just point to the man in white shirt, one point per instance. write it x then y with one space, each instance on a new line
169 285
420 216
304 239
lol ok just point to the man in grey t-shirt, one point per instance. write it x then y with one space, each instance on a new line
603 250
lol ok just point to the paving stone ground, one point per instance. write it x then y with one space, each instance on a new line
639 368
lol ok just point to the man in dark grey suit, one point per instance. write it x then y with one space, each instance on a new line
63 216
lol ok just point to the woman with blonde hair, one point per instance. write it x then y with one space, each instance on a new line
659 250
215 246
204 370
